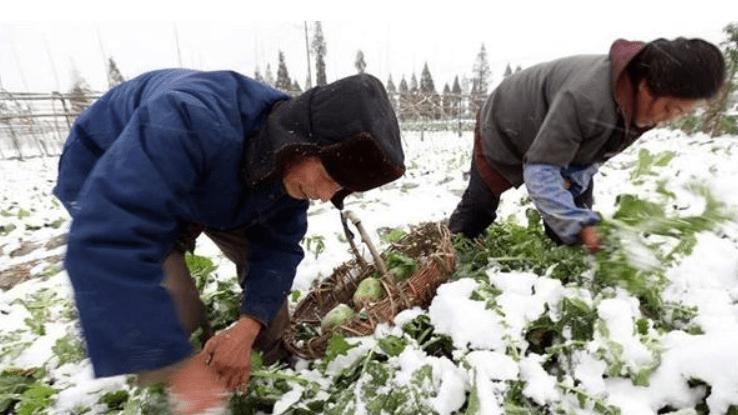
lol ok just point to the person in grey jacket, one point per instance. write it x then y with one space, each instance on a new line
550 126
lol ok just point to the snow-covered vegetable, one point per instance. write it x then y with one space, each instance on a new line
337 316
369 291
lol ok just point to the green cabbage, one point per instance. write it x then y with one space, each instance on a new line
369 291
337 316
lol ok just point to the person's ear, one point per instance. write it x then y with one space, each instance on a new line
644 89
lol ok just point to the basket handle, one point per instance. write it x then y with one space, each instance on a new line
347 216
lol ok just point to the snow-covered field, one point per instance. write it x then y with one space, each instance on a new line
627 365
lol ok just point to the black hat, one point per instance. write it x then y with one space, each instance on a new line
349 124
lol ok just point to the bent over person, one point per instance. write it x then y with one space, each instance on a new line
550 126
175 153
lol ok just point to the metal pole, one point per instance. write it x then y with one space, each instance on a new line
53 65
18 64
105 58
176 39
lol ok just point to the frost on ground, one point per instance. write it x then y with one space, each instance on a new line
524 327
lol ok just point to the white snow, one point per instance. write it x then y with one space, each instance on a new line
707 279
524 297
287 400
540 386
590 371
450 380
493 365
619 316
468 322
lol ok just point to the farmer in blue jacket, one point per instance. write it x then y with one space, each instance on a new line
550 127
175 153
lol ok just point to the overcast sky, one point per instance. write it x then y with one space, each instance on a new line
39 50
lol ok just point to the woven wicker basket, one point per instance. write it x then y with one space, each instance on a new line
428 244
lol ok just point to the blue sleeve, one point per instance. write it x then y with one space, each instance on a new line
546 188
274 253
128 217
580 177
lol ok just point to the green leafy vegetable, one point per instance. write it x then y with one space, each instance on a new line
337 316
401 266
369 291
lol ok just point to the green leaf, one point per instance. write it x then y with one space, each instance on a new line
579 317
13 383
516 403
200 268
662 190
51 270
632 210
508 247
473 406
115 401
315 244
337 346
642 326
534 219
6 229
223 304
57 223
393 235
642 378
69 349
196 339
35 399
39 305
392 345
257 361
663 159
419 328
647 161
401 266
541 333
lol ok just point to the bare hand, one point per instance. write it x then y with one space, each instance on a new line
196 388
229 352
590 239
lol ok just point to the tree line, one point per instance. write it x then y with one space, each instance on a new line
413 98
418 99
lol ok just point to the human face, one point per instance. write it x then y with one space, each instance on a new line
651 110
307 179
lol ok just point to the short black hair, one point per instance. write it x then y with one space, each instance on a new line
679 68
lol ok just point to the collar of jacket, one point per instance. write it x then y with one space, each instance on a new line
622 53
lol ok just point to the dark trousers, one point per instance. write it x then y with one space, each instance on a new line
190 308
478 207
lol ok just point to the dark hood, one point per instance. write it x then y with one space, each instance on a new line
622 53
349 124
